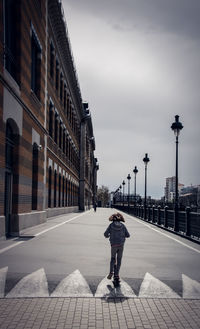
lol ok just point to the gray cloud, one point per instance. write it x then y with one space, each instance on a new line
179 16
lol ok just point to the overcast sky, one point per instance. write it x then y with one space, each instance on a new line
138 63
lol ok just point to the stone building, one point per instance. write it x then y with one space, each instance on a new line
47 162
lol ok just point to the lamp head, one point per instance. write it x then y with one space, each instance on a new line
176 126
128 177
135 170
146 159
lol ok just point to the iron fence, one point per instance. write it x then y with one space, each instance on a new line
188 222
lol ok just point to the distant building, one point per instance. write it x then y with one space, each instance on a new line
170 188
190 197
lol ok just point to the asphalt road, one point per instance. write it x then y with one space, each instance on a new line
76 241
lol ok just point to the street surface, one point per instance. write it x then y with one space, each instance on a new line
69 257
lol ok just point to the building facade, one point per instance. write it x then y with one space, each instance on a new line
47 162
170 188
190 197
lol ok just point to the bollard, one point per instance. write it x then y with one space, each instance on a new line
187 221
166 216
159 207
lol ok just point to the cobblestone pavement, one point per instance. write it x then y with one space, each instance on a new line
92 313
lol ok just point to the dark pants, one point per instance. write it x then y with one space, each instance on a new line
116 257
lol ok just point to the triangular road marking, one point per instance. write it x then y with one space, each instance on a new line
154 288
74 285
191 288
3 273
106 289
32 285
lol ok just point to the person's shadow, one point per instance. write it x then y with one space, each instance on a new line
115 294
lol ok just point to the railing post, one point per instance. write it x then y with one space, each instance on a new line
153 214
149 214
159 207
166 216
187 221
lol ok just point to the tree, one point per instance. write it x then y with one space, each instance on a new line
103 196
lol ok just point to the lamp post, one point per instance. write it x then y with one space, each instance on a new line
176 127
129 178
146 160
135 171
120 188
123 183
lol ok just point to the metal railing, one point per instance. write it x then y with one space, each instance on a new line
188 222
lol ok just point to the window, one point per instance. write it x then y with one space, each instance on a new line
61 87
11 51
56 127
57 73
51 120
35 64
52 60
68 106
70 151
59 191
60 135
66 193
65 96
55 187
67 146
64 140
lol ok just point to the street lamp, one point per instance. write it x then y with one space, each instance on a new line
129 178
176 127
120 188
135 171
146 160
123 183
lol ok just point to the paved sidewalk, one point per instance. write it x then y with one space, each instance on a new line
92 313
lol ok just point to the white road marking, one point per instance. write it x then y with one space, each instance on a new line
3 273
40 233
170 237
191 288
154 288
106 289
73 285
10 247
32 285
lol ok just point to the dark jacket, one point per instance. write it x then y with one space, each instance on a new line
117 232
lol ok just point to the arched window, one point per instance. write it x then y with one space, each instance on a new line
66 194
63 191
55 187
51 120
59 191
49 188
